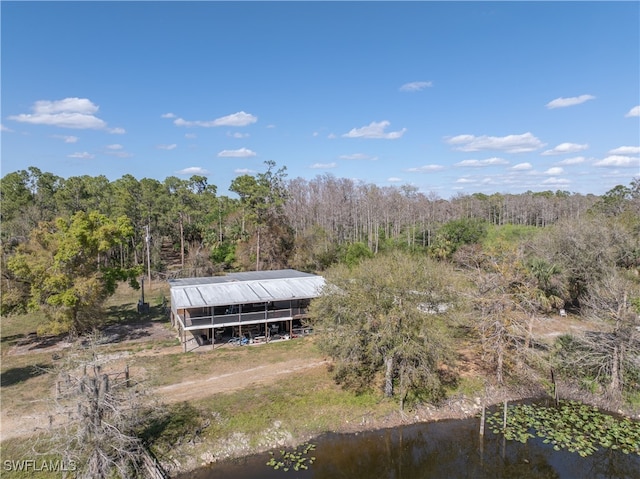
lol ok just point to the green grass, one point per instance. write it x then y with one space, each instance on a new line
17 327
469 387
509 234
304 405
176 367
15 453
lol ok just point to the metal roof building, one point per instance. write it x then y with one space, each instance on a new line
202 305
242 288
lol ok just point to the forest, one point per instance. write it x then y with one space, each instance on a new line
480 268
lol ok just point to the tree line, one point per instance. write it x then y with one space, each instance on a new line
411 279
67 241
398 321
309 218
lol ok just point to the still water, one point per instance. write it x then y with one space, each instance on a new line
446 449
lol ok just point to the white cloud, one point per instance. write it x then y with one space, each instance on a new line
465 180
78 105
563 148
522 166
243 171
239 153
375 130
168 115
510 143
66 139
235 119
4 128
416 86
425 169
576 160
117 150
193 170
358 156
556 181
619 161
481 163
635 111
120 154
237 134
322 166
172 146
394 179
556 170
332 136
117 131
190 136
75 113
625 150
571 101
82 155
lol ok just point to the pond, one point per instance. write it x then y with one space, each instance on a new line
445 449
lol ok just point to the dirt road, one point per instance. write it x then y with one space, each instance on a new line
232 381
39 417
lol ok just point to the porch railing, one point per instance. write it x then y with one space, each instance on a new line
192 322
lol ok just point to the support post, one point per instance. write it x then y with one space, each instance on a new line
504 428
555 388
482 419
148 241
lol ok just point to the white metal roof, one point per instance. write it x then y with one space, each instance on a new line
242 288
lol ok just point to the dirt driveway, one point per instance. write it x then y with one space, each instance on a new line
38 418
232 381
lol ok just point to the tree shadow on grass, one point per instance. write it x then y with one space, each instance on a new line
127 313
125 323
13 376
176 424
12 338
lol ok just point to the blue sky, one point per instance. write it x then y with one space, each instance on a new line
451 97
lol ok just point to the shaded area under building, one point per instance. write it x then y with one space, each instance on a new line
245 307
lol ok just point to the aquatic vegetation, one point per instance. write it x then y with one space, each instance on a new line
571 425
297 459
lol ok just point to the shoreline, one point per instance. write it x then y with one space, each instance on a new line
196 456
455 408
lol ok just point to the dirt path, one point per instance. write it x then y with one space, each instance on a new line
232 381
38 418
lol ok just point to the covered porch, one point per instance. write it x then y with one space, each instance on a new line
242 308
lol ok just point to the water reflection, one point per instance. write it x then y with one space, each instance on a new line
447 449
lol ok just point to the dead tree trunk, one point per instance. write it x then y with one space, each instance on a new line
388 376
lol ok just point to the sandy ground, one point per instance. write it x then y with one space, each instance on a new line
38 418
13 424
204 387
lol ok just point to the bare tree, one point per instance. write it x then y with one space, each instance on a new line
505 303
616 352
103 413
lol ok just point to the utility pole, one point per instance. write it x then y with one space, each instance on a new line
148 242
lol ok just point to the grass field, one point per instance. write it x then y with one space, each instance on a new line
287 410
